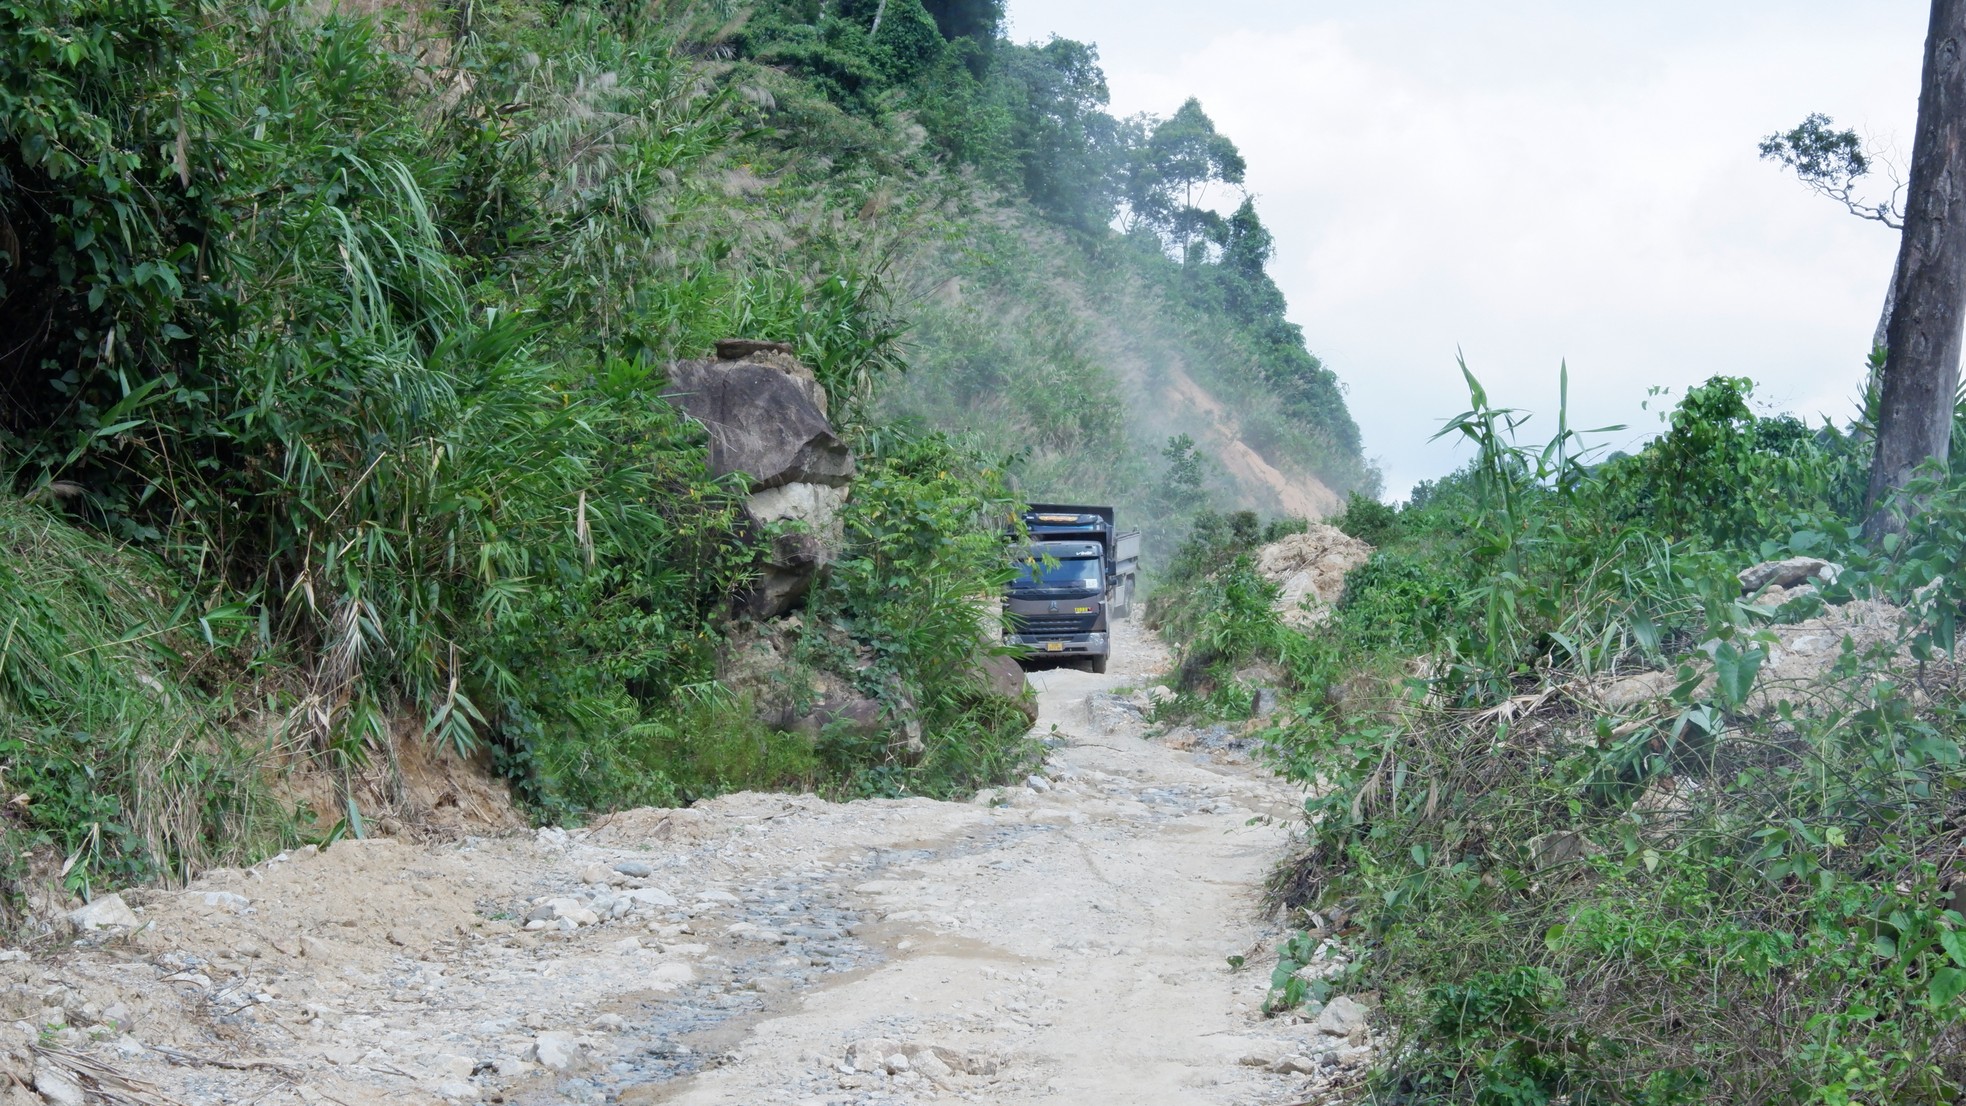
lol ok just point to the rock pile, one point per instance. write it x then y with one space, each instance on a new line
766 417
1310 568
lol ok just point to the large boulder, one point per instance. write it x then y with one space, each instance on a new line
766 417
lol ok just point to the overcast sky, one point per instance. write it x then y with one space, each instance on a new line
1535 182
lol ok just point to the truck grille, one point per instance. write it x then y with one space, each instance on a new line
1050 627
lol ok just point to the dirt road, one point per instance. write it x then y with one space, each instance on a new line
1062 942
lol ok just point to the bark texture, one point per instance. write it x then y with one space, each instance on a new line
1921 372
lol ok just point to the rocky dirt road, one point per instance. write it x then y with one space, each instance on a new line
1062 942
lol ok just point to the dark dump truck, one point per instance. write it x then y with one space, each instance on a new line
1076 575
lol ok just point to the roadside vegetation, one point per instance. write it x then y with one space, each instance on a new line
330 391
1591 834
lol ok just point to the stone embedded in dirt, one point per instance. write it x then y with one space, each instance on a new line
555 1051
610 1023
897 1063
14 956
633 869
1342 1017
457 1090
1037 783
870 1054
715 896
668 977
1295 1065
562 909
226 901
107 912
1788 573
596 874
58 1087
934 1067
1108 713
647 898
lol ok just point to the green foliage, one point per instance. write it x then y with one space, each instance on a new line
1727 478
370 354
1697 897
924 555
1031 120
112 754
1368 520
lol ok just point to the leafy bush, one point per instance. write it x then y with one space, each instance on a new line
1692 899
1368 520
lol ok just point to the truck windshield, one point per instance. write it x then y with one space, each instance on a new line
1033 571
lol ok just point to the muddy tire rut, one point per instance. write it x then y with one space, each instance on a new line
1065 941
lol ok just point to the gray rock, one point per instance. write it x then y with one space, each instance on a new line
56 1085
226 901
934 1067
1342 1017
633 869
1108 713
555 1051
766 419
1788 573
562 909
107 912
1295 1065
648 898
897 1063
1005 677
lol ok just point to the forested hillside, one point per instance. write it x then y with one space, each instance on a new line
332 391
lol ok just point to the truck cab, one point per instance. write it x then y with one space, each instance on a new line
1074 576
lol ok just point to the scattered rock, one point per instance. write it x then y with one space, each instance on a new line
1295 1065
57 1086
1788 573
1108 713
633 869
1342 1017
561 909
1547 850
226 901
555 1051
107 912
932 1066
648 898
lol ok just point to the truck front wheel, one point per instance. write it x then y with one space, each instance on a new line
1097 664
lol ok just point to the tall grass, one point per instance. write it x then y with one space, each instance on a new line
115 758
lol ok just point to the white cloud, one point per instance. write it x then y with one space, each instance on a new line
1534 182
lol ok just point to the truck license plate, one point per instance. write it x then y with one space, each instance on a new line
1054 647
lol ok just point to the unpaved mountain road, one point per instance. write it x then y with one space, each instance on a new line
1064 943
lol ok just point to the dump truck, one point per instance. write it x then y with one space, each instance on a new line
1076 573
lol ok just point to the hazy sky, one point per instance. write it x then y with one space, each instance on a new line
1535 182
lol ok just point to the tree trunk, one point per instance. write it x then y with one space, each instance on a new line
879 11
1921 368
1881 337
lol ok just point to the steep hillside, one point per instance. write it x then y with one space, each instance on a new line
342 356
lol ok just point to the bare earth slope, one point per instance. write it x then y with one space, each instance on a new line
1064 942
